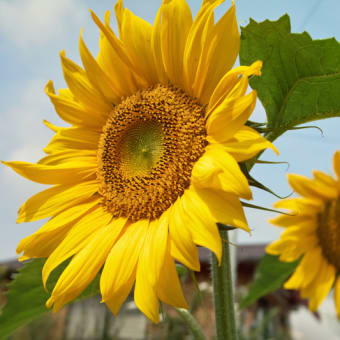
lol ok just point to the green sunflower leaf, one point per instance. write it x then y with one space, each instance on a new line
26 296
300 79
270 274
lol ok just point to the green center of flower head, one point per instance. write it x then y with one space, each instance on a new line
147 150
328 232
141 148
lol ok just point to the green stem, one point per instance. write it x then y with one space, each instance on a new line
190 321
223 293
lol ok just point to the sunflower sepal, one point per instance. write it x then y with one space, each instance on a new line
225 227
259 207
269 131
261 161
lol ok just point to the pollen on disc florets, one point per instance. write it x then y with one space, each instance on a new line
147 150
328 232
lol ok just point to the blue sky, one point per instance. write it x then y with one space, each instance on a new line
33 32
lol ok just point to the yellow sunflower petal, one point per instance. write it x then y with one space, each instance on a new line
306 271
300 230
69 215
200 222
73 138
300 205
122 261
230 116
121 294
119 49
78 82
85 265
24 258
224 207
289 220
57 304
72 111
111 37
66 157
52 127
182 246
291 247
239 89
324 178
226 85
150 264
96 75
157 48
337 296
155 245
317 290
145 295
44 240
309 188
222 43
42 244
78 238
176 21
216 169
136 33
298 247
53 200
245 144
336 163
119 11
196 41
109 60
56 174
168 286
280 246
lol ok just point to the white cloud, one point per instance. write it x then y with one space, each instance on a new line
35 22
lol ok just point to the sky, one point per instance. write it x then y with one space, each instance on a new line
33 32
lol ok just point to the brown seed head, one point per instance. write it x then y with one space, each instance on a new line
147 150
328 232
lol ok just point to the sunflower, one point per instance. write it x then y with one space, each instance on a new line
150 161
312 234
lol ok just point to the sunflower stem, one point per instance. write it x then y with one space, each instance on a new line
223 293
190 321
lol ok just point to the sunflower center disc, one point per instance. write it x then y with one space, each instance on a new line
328 232
147 150
141 148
